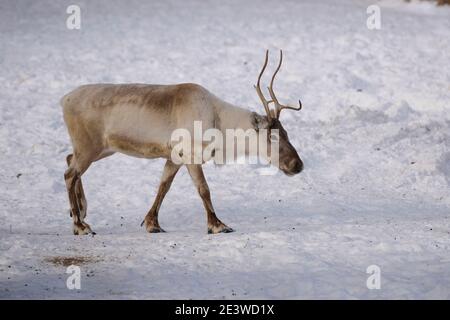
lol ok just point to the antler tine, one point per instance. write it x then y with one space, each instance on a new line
276 71
293 108
264 67
258 87
272 94
278 106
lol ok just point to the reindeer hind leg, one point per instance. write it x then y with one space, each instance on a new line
78 204
79 192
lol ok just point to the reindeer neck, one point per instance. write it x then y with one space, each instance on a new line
229 116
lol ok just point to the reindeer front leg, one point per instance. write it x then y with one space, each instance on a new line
151 219
214 224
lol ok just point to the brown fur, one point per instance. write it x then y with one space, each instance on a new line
138 149
161 97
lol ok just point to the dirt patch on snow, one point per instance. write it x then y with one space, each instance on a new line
73 260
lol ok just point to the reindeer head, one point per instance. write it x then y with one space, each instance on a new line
289 161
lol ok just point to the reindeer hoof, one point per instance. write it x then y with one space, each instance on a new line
219 229
154 229
82 228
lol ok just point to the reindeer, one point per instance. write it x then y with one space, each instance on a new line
138 119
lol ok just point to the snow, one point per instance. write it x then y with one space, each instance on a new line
374 135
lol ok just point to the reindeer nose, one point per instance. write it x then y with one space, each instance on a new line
297 167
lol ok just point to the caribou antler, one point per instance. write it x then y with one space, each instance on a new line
258 88
278 106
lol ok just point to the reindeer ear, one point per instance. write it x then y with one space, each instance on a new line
259 122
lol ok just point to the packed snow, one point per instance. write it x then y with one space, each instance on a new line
374 134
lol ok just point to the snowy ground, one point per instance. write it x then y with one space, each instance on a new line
374 135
